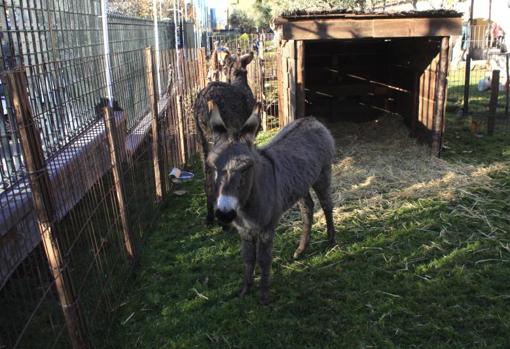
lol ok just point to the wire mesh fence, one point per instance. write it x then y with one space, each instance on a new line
480 87
65 260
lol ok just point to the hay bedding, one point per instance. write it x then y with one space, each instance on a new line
378 167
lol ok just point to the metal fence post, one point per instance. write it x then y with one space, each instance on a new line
467 73
493 102
106 44
118 181
44 206
156 41
156 147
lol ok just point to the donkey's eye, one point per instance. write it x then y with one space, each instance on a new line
245 168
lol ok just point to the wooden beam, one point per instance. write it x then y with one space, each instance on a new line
320 29
439 112
118 182
300 79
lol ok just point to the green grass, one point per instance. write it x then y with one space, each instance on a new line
478 100
430 274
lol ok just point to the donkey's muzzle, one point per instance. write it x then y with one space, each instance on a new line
226 216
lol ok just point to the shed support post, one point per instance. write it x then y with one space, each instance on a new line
156 146
118 181
493 102
300 80
439 112
44 206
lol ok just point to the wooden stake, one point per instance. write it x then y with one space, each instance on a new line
157 156
180 123
300 79
44 207
437 131
118 182
202 67
493 102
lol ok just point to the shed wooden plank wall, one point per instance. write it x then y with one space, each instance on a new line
287 84
383 64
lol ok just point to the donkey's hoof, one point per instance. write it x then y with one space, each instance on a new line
264 297
209 220
299 252
245 290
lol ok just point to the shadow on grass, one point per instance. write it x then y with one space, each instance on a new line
478 100
461 145
435 275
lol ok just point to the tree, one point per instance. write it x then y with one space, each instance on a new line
262 14
240 20
136 8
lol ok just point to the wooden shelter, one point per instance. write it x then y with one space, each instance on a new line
359 66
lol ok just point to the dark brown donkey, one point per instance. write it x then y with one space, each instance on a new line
256 186
235 102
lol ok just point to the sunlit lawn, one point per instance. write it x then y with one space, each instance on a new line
432 275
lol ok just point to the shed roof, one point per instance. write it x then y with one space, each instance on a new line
344 13
341 24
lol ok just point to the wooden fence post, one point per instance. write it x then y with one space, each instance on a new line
180 112
263 93
118 181
493 102
438 123
202 67
157 156
43 204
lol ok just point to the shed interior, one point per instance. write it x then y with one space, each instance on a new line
363 79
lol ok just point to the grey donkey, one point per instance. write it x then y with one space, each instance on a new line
255 186
235 101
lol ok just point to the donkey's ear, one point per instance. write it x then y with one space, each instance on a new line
227 57
251 126
246 59
215 121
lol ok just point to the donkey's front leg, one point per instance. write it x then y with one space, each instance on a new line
264 258
248 254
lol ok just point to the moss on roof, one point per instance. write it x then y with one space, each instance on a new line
339 13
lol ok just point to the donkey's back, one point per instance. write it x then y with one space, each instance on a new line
302 154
